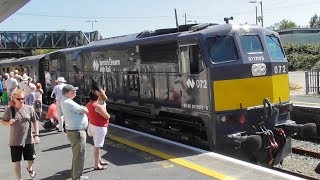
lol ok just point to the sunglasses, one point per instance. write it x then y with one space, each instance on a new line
19 99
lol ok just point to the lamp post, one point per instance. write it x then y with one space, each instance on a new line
92 21
261 17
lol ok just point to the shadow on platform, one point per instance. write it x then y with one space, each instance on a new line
57 148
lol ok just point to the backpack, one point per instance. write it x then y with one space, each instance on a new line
1 87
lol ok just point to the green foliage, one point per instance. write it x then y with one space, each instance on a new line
42 51
302 56
316 65
314 21
284 24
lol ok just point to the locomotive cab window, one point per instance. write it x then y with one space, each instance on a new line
274 47
222 49
251 44
191 60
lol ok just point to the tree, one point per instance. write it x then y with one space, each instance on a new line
314 21
284 24
42 51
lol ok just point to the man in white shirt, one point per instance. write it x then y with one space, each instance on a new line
28 87
57 92
12 85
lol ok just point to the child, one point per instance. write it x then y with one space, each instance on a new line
51 121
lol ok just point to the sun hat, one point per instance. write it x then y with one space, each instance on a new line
61 79
24 77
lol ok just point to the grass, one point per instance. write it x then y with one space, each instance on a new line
293 87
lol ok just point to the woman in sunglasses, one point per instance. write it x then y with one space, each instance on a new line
20 117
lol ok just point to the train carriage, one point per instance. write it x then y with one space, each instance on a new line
208 85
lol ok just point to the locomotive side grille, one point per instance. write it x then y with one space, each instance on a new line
247 92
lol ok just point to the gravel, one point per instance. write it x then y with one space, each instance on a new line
302 164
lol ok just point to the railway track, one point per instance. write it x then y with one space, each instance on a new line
300 175
305 152
304 157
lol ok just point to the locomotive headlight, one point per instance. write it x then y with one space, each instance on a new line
258 69
223 118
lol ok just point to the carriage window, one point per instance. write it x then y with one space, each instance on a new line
48 80
222 49
191 60
184 64
274 47
196 60
54 63
251 44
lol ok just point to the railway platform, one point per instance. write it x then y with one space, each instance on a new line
306 100
133 155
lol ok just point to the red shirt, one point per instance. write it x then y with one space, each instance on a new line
52 112
94 117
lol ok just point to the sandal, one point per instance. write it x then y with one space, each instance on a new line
99 168
32 173
104 163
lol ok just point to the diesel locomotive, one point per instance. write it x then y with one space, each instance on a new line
209 85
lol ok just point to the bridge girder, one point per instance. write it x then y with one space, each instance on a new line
14 40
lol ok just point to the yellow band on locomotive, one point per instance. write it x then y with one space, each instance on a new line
229 94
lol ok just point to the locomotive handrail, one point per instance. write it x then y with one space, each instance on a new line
270 107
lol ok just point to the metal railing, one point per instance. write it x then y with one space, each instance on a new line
312 81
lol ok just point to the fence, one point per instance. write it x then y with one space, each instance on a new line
312 81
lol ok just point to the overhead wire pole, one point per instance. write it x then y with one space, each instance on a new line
175 12
256 14
261 14
92 21
261 8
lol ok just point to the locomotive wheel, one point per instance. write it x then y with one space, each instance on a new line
309 130
251 144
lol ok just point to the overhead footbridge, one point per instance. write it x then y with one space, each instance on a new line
14 40
12 43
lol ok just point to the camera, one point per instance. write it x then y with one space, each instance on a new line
95 84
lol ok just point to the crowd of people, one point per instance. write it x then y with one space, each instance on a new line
22 99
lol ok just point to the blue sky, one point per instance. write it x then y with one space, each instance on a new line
127 16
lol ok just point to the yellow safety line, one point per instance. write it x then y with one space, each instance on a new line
179 161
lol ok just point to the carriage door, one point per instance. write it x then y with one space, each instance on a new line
193 82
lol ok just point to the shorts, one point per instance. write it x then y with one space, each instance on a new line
27 151
98 134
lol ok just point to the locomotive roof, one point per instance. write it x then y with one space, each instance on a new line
114 40
171 34
23 60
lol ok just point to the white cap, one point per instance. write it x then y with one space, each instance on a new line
61 79
24 77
